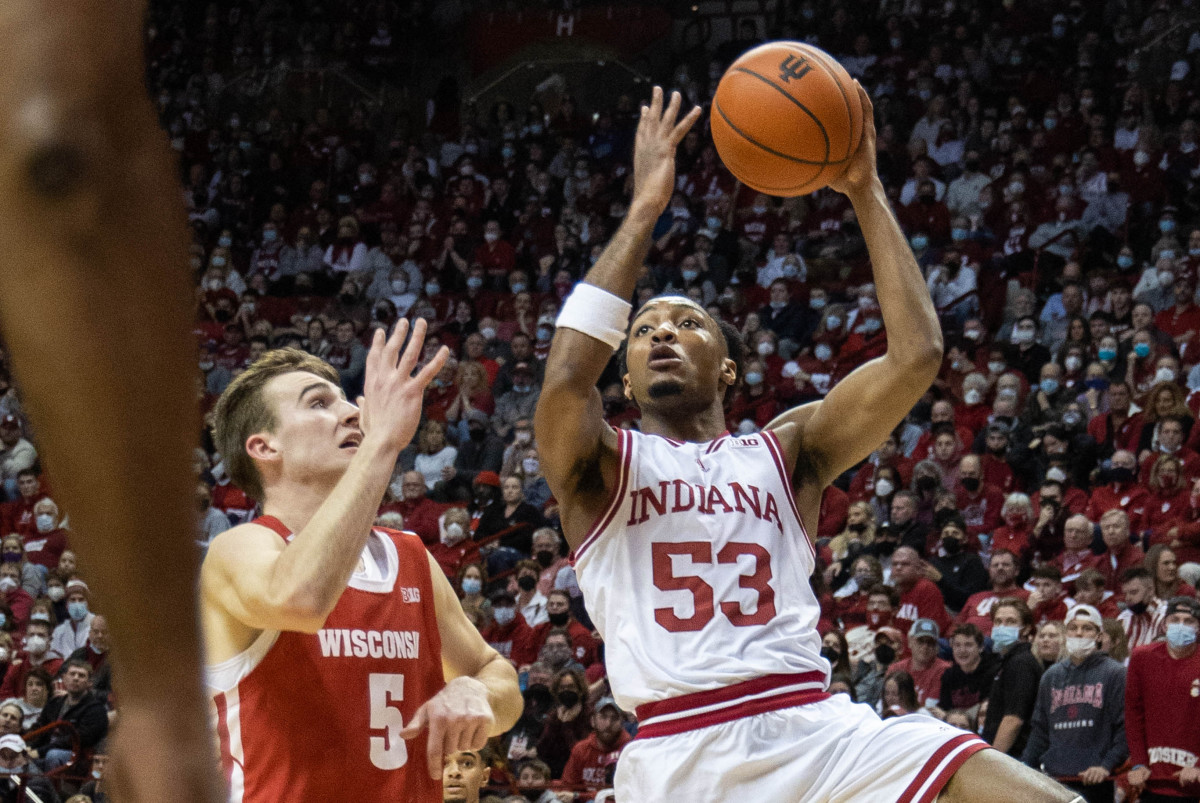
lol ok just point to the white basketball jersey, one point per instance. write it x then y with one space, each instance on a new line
696 575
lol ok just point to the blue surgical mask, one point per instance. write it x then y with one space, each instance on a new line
504 616
474 282
1142 349
518 287
1166 226
958 233
472 585
920 241
1049 386
432 288
269 235
78 611
872 325
754 378
1004 636
1124 261
690 275
1180 635
1107 355
714 223
816 303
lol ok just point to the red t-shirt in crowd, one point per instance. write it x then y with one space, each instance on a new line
514 640
977 610
45 549
590 761
922 601
582 643
928 681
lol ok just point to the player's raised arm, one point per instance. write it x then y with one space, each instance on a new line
266 584
863 408
577 448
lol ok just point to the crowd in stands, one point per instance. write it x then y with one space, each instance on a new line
1042 158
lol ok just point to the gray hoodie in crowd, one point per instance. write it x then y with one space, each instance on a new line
1079 719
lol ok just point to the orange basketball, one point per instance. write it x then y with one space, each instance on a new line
786 118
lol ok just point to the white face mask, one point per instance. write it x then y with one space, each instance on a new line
765 348
973 396
36 644
45 522
823 351
1022 336
1073 363
530 464
1080 647
1162 375
56 593
884 487
7 584
454 534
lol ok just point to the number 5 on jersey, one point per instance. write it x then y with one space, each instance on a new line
700 552
388 752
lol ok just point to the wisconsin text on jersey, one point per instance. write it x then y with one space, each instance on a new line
346 643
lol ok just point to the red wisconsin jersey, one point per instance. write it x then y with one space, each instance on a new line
316 717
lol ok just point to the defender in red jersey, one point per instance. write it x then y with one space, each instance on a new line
333 644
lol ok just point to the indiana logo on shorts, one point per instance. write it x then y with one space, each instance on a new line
794 67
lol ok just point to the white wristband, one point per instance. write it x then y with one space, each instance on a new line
597 313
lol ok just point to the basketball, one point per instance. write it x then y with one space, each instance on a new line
786 118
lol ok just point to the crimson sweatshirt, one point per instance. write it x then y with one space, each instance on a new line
1162 709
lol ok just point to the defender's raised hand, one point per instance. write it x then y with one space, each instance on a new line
390 407
658 135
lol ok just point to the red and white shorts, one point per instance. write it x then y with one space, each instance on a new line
726 745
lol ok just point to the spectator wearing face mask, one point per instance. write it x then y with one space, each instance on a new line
1014 690
33 577
518 403
1162 707
508 633
1142 618
36 653
873 668
958 572
455 547
568 721
18 600
1169 442
1078 725
1026 354
16 454
45 546
558 615
530 602
73 633
1117 490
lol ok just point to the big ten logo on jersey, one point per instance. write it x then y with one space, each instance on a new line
794 68
408 594
744 442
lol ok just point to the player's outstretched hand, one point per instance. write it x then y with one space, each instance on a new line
658 135
458 717
861 173
390 406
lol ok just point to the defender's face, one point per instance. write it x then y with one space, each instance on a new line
676 355
316 430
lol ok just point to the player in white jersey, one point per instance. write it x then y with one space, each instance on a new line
691 545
